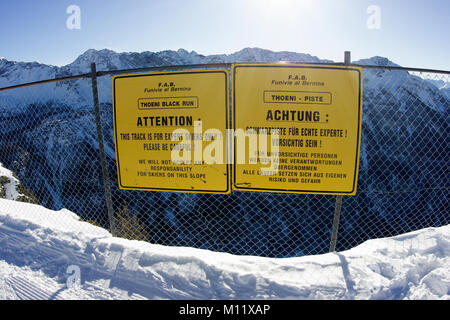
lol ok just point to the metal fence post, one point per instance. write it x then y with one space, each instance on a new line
337 215
338 204
347 58
101 149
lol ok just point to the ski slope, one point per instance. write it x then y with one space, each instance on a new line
47 254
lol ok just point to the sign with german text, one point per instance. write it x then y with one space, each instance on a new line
169 131
315 112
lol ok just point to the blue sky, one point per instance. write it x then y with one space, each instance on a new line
412 33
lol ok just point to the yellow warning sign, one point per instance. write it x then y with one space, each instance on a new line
169 131
298 128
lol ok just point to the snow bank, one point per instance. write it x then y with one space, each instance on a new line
40 248
10 187
8 184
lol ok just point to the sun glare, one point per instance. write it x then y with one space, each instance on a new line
280 10
284 4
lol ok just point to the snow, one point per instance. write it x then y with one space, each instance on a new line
77 93
10 186
42 251
41 248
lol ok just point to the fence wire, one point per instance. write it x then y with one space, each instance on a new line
48 138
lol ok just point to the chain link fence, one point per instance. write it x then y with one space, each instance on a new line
48 137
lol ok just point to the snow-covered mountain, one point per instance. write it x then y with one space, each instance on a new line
76 93
443 86
48 136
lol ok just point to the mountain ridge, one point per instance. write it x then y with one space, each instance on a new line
180 52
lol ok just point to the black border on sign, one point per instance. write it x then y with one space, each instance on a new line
236 66
160 108
298 103
228 189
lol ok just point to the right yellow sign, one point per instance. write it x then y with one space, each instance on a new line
311 118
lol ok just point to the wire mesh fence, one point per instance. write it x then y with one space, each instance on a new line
48 138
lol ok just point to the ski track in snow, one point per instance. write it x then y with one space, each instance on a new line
38 245
22 250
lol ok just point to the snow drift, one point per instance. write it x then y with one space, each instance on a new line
41 250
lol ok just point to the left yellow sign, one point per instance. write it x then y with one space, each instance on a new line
169 131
